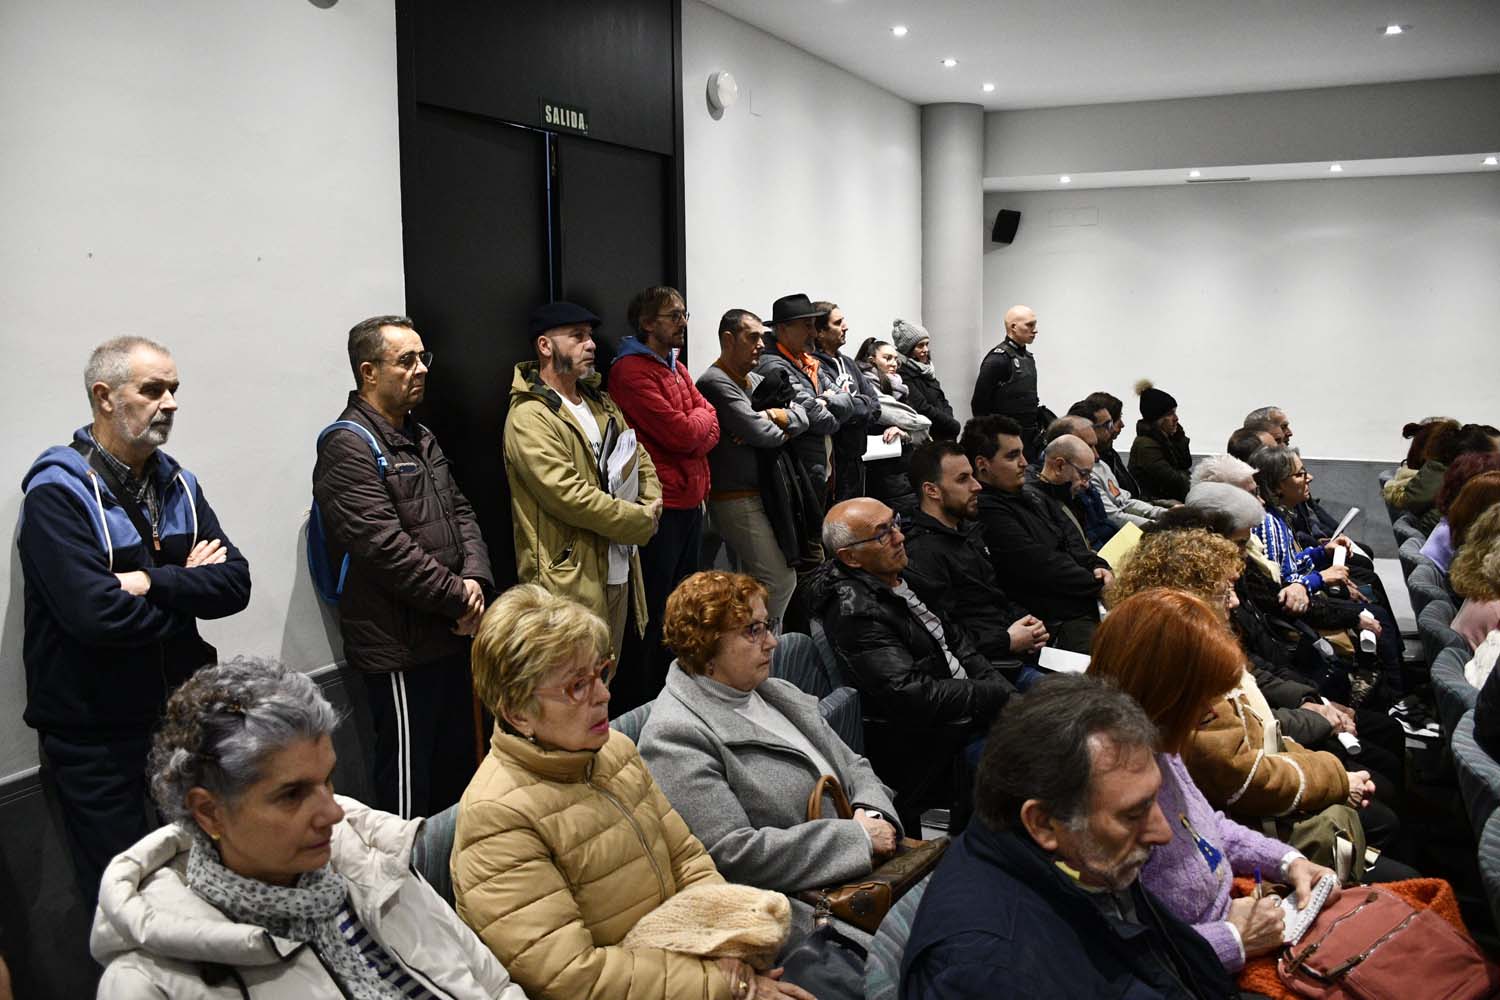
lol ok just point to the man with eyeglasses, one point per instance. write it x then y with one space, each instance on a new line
419 572
1120 507
926 691
678 428
1075 491
1040 556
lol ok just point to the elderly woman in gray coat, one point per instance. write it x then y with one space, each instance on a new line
738 752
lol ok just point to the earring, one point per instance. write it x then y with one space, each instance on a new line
214 837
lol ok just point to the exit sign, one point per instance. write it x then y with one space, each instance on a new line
565 117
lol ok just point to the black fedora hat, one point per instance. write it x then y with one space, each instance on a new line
790 307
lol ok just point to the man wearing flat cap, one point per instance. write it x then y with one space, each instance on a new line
789 356
583 490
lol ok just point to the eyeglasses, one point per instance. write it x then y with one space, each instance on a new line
757 631
1103 425
1083 473
883 537
577 691
409 360
677 315
1300 474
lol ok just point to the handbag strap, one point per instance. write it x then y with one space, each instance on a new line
829 785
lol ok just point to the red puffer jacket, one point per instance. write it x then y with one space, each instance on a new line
672 419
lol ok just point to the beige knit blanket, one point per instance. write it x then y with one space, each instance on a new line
717 921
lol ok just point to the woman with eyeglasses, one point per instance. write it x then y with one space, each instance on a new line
563 842
738 752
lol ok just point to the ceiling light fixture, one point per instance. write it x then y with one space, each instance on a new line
1336 169
988 88
899 30
1065 179
1490 161
1391 30
950 62
1195 173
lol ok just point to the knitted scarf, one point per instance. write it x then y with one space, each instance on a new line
307 912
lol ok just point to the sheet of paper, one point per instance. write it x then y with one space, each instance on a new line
1120 546
1062 661
1344 524
876 448
624 480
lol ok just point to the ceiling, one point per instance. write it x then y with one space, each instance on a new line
1049 53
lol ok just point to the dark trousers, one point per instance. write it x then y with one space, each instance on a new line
666 560
102 790
1074 634
424 736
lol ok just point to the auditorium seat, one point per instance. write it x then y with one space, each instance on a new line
1478 774
633 721
430 851
1405 527
1433 628
1410 554
810 665
883 966
1451 692
1426 585
1489 864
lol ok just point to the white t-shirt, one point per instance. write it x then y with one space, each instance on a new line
619 555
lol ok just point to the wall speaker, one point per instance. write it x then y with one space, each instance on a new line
1006 222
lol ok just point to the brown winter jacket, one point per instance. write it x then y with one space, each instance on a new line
1228 763
557 855
412 541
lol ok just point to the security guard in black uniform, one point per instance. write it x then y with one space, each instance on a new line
1007 381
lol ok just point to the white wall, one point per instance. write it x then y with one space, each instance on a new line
811 183
221 177
1356 304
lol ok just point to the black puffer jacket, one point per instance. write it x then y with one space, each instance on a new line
412 541
926 396
1039 555
917 714
950 569
1161 464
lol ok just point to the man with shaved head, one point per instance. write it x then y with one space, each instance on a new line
1007 382
1040 556
925 690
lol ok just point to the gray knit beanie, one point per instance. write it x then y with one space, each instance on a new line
907 336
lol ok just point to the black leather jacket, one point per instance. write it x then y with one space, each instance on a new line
950 570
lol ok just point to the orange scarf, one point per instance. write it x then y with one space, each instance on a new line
807 363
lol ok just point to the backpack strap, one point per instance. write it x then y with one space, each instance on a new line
381 462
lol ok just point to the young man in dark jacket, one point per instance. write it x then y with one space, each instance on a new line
926 691
1038 551
830 331
419 573
948 564
121 554
1041 895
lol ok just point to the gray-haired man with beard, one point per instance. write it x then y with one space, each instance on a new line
121 555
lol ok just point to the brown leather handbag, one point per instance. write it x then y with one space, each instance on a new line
1373 945
866 902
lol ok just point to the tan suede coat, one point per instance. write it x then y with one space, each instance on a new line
558 854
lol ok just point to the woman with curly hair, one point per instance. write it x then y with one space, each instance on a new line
738 752
1475 576
1240 759
264 883
1458 505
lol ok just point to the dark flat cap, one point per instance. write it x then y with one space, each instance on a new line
556 314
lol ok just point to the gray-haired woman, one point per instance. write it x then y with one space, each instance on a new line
264 883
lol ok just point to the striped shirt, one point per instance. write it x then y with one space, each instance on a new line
376 957
934 626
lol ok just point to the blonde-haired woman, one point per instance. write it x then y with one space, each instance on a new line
563 841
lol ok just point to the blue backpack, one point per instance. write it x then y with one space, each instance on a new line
328 580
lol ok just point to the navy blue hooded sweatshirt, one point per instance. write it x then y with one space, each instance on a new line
99 661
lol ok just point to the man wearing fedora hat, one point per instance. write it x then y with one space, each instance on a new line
789 357
574 535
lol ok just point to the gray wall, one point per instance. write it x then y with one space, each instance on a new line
223 178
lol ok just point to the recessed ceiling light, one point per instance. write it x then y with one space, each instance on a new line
899 30
988 88
1490 161
1336 169
950 62
1065 179
1395 29
1195 173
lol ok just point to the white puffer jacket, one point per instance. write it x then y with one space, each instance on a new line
157 938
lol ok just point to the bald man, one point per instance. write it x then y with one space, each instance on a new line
925 690
1007 382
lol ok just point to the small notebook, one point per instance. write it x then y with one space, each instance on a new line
1298 921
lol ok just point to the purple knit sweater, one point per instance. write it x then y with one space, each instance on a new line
1178 874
